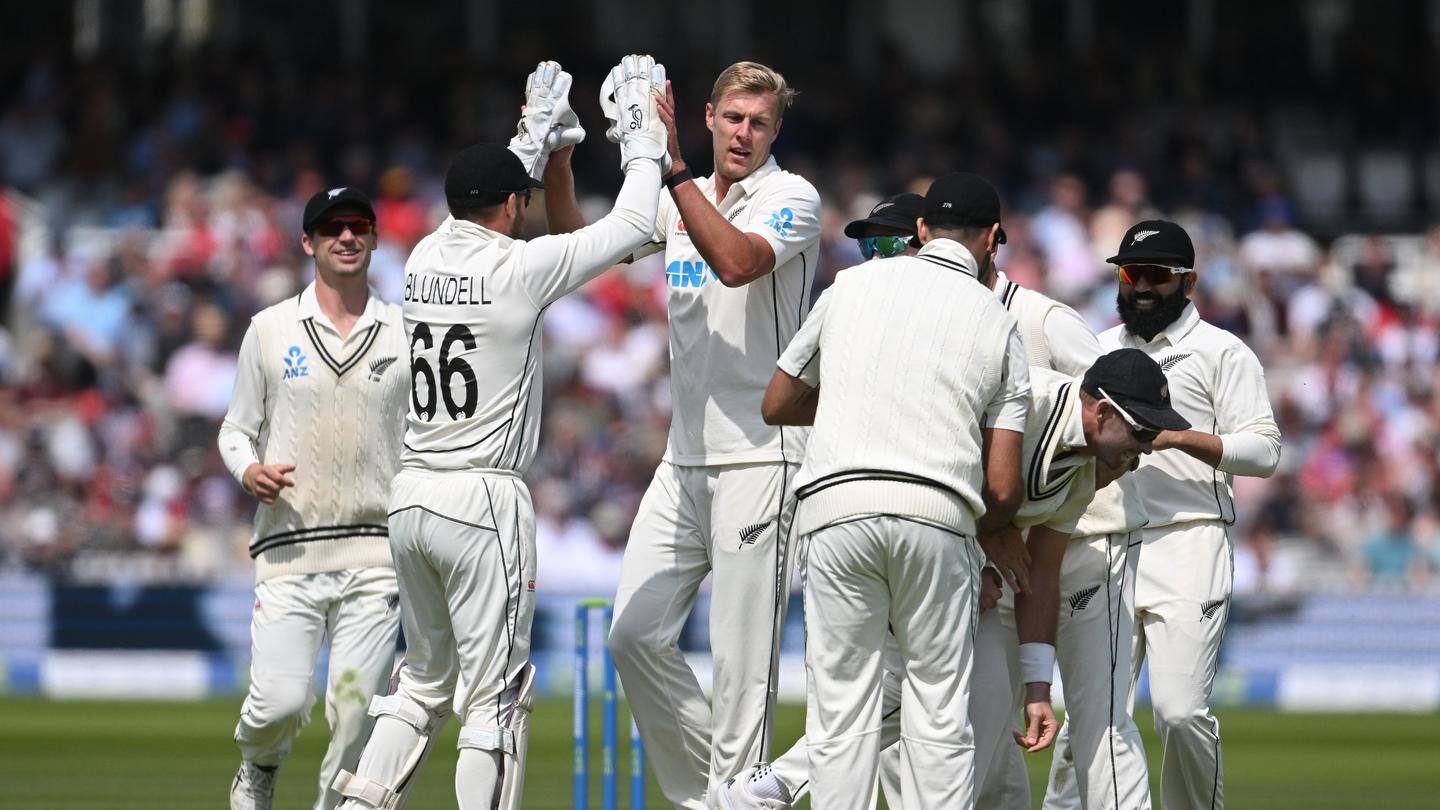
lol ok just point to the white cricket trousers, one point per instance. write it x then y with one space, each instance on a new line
463 544
1099 761
1182 600
293 614
1001 779
863 577
732 521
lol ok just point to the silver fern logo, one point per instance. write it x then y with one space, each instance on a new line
1142 236
751 533
1209 609
1081 598
1173 361
379 366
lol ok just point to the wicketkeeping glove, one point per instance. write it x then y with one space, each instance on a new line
627 97
547 123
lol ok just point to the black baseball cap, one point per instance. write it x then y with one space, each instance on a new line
1156 241
1138 385
897 212
485 171
329 200
962 199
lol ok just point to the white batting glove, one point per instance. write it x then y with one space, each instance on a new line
546 123
627 97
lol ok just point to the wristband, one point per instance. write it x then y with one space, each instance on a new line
1037 662
675 179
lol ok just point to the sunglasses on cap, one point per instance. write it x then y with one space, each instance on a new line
883 246
334 226
1141 433
1154 274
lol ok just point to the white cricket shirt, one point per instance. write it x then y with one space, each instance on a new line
1055 335
334 408
1216 383
912 356
1057 475
724 341
474 302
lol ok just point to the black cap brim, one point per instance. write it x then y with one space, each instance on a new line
856 229
1153 417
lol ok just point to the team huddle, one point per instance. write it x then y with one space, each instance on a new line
974 486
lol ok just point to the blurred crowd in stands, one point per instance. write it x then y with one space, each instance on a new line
143 223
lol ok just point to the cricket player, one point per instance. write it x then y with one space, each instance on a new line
461 521
1099 759
1186 568
915 379
312 434
889 231
740 251
1079 434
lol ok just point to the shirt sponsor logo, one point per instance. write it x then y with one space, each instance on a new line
295 364
688 274
680 227
782 222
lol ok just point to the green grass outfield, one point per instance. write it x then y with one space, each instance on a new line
114 755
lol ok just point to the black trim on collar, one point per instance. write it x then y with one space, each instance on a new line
340 367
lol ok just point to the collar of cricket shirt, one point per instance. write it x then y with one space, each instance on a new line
752 181
949 254
309 309
1176 331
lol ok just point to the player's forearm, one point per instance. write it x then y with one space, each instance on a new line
1205 446
237 450
1254 454
736 258
595 248
1037 610
788 401
562 210
1001 492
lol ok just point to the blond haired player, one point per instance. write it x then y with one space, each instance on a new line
740 249
461 521
312 434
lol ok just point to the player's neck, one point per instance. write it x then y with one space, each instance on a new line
722 187
342 300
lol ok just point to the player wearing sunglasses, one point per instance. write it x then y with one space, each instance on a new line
889 231
1185 569
313 435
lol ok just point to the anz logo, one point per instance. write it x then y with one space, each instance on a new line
688 274
295 364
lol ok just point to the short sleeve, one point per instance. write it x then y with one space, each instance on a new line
1073 345
801 359
1011 405
787 217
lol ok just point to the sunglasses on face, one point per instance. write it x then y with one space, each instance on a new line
1154 274
333 227
882 246
1141 434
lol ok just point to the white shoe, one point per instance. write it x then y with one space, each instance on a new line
253 787
735 793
